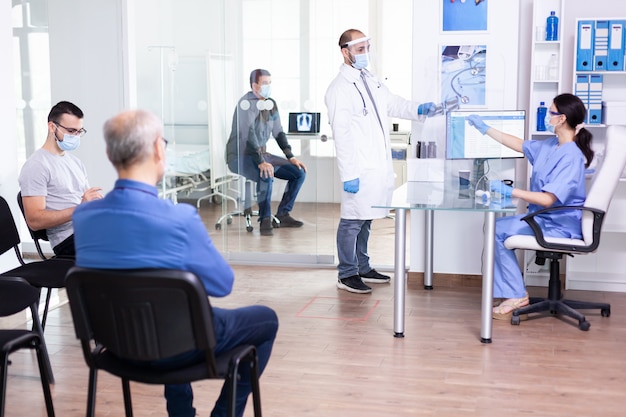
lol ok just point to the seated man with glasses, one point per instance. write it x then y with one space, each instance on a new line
53 181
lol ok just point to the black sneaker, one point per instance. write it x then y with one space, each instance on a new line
266 227
374 277
353 284
286 220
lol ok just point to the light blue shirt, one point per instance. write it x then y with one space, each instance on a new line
132 228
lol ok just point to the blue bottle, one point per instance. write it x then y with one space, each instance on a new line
541 117
552 27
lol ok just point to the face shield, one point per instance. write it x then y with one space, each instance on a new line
360 52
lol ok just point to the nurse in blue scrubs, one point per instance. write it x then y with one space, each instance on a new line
558 179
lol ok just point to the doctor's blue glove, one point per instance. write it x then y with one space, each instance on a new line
351 186
498 186
427 109
477 122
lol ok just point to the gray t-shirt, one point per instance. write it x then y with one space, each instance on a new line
62 179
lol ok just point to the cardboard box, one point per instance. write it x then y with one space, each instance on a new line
614 112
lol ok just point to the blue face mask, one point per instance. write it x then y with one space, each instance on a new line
361 61
266 91
69 142
549 127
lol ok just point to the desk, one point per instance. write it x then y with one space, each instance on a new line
432 196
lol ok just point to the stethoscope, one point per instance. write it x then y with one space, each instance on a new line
365 111
475 70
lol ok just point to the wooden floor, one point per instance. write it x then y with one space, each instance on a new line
335 354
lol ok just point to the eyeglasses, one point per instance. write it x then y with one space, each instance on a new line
166 142
72 131
555 113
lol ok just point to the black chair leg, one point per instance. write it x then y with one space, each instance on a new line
256 389
3 381
91 393
42 360
128 403
45 309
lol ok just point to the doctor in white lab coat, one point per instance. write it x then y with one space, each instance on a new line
359 106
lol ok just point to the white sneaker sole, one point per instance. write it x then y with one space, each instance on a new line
343 286
375 280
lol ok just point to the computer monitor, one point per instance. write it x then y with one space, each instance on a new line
466 142
304 123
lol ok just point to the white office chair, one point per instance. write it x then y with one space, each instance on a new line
596 205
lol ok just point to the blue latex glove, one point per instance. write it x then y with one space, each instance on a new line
427 109
351 186
477 122
498 186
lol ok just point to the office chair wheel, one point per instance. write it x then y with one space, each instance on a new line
605 312
229 220
218 226
584 325
515 320
249 228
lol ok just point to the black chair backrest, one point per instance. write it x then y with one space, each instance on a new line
141 315
35 234
16 294
9 236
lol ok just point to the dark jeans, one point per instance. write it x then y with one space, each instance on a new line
65 249
352 239
283 170
253 325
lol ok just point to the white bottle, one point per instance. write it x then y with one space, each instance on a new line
553 68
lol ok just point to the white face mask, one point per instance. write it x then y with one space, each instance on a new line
361 61
265 91
69 142
549 127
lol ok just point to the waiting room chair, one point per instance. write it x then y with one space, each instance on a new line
596 205
49 273
126 317
37 235
16 295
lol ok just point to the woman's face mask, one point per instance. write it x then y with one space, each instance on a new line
69 142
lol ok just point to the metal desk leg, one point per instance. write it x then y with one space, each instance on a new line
487 294
428 249
399 284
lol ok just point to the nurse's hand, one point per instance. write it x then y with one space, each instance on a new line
351 186
427 109
477 122
266 170
498 186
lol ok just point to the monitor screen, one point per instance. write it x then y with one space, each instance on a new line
466 142
304 122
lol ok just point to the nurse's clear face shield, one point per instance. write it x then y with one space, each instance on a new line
360 53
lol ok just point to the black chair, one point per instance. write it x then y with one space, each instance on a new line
37 235
596 205
48 273
17 295
124 318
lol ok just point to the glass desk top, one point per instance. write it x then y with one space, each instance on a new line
419 195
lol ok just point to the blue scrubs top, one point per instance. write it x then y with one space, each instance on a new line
560 170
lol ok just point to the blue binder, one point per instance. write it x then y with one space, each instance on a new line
615 60
595 99
601 45
581 89
584 48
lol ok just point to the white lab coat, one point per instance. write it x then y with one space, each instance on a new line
363 148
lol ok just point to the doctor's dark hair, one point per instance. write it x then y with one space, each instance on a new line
256 74
347 36
130 137
574 110
64 107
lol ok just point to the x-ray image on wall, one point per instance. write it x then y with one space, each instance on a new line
463 74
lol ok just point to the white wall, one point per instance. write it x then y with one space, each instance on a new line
8 156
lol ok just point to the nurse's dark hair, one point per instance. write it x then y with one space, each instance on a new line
256 74
64 107
574 110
